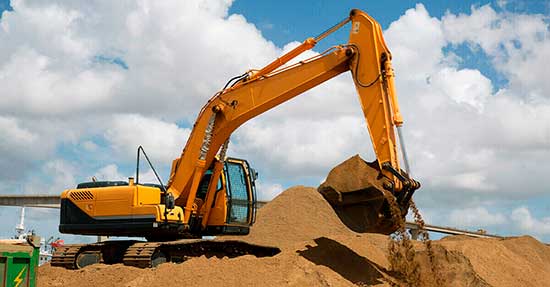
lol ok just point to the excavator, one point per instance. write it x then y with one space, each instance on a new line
210 194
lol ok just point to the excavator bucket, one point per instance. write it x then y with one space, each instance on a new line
354 190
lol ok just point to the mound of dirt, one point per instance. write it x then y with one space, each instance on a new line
318 250
515 261
296 215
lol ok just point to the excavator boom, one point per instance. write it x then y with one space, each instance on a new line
211 194
366 56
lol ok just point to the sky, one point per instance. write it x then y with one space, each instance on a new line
83 84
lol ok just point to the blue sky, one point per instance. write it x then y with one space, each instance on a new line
278 23
276 19
5 5
88 92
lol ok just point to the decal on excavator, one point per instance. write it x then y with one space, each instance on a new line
355 28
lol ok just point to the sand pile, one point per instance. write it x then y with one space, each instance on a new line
318 250
517 261
296 215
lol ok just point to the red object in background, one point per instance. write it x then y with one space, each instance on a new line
58 243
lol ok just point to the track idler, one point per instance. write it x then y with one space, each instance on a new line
362 198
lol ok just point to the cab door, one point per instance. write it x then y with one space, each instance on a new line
241 195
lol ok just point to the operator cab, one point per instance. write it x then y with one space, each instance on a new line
234 205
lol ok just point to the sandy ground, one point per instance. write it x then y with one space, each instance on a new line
318 250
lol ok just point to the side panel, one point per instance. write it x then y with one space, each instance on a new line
114 201
75 221
117 210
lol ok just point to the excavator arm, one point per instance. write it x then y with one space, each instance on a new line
365 56
209 194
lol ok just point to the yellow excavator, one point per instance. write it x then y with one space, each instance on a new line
209 193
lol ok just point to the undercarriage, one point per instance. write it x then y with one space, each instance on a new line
143 254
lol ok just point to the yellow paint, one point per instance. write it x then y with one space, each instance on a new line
18 280
125 201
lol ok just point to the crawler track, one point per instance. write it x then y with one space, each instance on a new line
66 256
141 254
150 254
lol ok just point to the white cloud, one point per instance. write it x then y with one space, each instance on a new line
30 85
50 64
44 21
89 146
515 221
518 125
56 87
303 147
475 217
109 172
462 135
162 141
522 217
476 181
12 132
19 148
62 174
518 45
148 176
463 86
415 41
267 191
56 176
